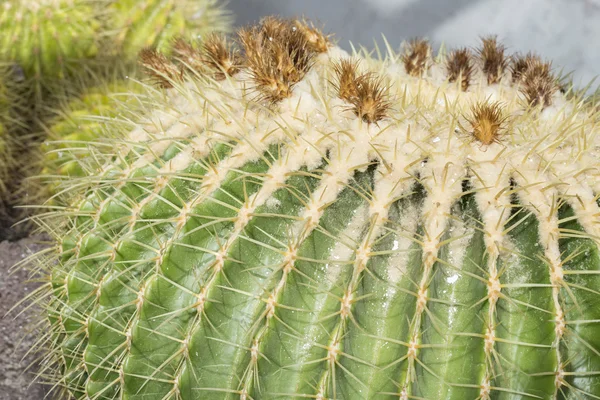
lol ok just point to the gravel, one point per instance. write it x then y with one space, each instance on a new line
16 380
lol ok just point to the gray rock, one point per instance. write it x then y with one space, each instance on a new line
16 382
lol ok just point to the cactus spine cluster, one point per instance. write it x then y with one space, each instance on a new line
291 221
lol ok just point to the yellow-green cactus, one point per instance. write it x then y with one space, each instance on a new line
45 37
79 124
155 23
315 224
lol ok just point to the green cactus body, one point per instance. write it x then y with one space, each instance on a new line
237 249
155 23
45 36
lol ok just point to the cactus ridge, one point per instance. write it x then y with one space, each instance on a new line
241 245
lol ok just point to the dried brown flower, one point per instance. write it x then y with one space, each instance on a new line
459 65
367 93
493 60
371 102
278 56
538 84
487 122
316 39
160 68
346 73
520 63
416 57
221 56
188 54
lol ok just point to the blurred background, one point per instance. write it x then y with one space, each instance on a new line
564 31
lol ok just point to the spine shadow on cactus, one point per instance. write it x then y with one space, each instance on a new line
316 225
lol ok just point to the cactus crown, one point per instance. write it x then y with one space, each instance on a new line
310 224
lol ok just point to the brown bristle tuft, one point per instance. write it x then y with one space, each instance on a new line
460 66
371 102
487 121
347 73
538 84
272 27
160 68
316 39
520 63
278 56
367 92
221 56
416 57
188 54
493 60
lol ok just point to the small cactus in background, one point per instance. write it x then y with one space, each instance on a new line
46 37
78 124
136 24
291 221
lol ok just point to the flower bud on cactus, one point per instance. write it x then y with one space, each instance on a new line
319 225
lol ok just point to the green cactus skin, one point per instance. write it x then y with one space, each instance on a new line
155 23
238 250
45 36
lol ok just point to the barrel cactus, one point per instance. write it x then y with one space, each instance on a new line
292 221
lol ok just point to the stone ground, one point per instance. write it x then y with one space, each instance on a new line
15 382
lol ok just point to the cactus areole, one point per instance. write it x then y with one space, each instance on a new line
290 221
